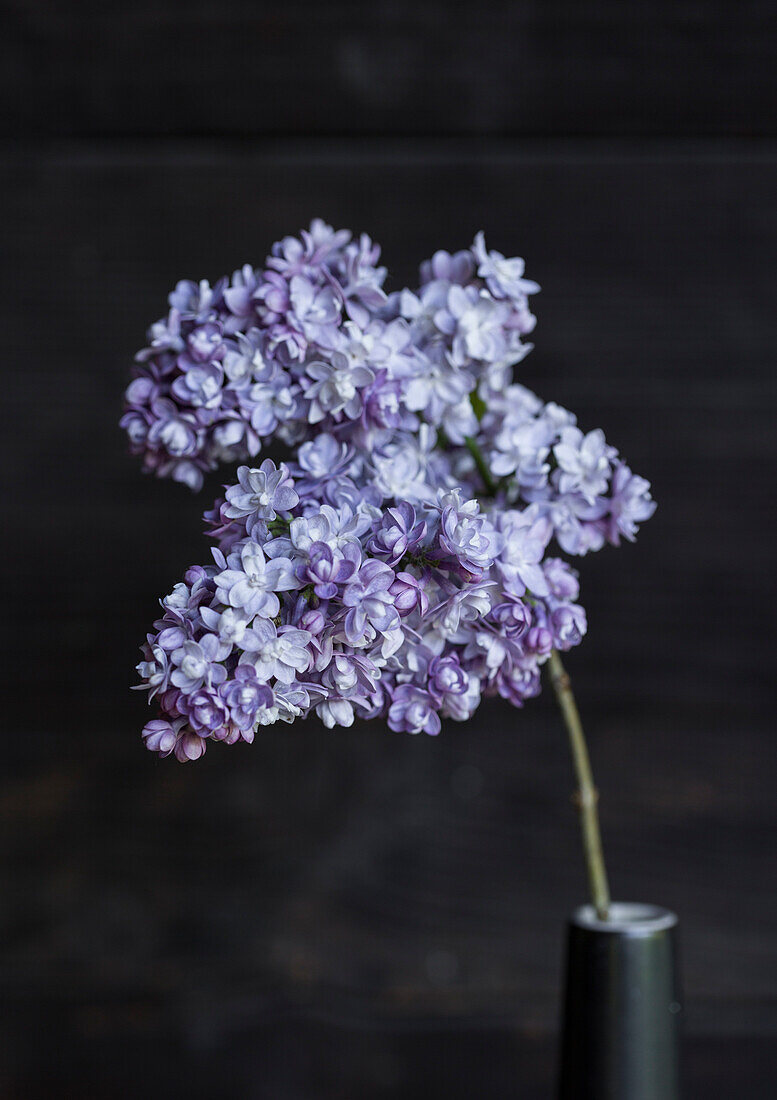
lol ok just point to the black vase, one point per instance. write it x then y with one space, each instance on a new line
622 1006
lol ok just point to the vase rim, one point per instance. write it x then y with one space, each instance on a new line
626 917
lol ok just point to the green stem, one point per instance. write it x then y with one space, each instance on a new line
481 464
586 797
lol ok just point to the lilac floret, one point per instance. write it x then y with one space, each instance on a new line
251 582
172 430
512 616
240 297
160 735
504 278
197 301
196 664
631 504
245 694
350 675
200 385
261 493
206 712
568 625
413 710
409 594
369 602
280 652
336 388
189 746
457 268
584 463
326 568
465 536
397 534
525 536
446 677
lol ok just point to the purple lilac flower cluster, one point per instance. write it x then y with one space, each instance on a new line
312 342
403 564
368 606
274 351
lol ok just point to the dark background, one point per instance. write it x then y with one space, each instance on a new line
354 913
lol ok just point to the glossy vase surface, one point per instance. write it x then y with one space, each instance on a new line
622 1006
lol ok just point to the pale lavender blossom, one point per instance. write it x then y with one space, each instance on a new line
369 601
197 301
136 423
413 710
462 706
457 268
203 345
164 335
358 281
382 404
174 431
519 682
584 463
562 579
577 525
336 712
315 309
196 664
525 536
324 457
293 699
281 652
504 278
409 594
251 581
477 325
513 617
272 298
261 493
336 387
317 244
399 474
521 450
446 677
491 650
239 297
200 386
187 472
206 712
245 694
466 537
436 386
229 625
326 569
631 504
161 736
155 669
463 606
271 403
350 675
244 361
337 527
567 623
397 534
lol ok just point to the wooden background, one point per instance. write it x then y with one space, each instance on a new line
355 913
